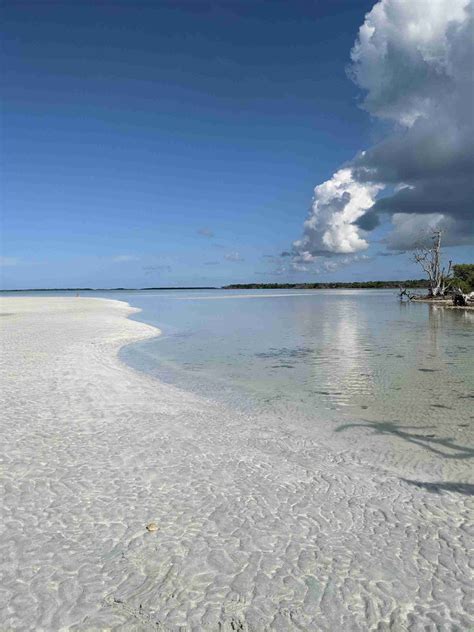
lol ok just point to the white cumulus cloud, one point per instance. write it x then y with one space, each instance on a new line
330 227
413 60
403 56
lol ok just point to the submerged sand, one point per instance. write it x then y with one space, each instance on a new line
259 528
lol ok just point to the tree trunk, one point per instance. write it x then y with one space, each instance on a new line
430 260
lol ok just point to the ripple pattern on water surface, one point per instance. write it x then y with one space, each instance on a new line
329 358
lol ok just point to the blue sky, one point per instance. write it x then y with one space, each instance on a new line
177 143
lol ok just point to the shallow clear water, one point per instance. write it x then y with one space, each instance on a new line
319 351
380 377
384 376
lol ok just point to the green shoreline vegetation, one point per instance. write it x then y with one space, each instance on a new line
354 285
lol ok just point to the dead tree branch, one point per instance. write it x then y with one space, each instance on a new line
404 293
429 258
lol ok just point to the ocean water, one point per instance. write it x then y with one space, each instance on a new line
392 382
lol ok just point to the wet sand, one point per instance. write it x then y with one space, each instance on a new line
259 527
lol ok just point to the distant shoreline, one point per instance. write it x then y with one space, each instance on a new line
335 285
355 285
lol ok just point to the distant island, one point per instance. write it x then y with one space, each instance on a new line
377 285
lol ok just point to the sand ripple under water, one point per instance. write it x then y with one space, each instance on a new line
259 528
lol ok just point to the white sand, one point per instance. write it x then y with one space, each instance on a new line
259 528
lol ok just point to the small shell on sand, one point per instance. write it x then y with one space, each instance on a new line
152 526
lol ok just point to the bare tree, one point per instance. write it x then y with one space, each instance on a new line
429 258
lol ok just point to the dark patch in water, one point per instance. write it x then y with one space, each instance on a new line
285 352
328 392
428 370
